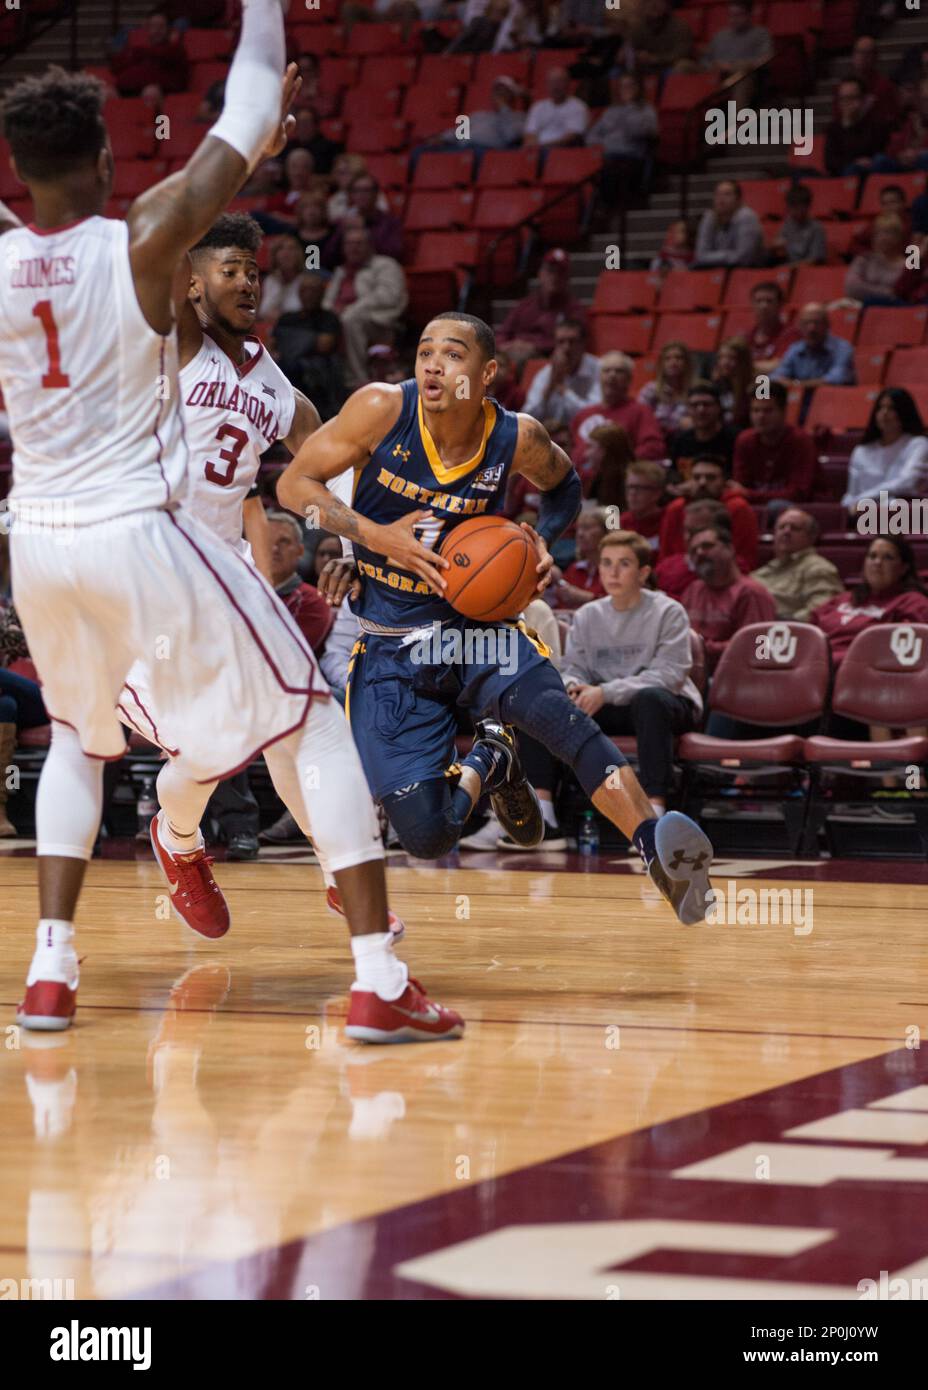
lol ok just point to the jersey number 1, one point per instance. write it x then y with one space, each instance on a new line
54 378
230 456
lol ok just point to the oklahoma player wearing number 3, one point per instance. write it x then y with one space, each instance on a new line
108 567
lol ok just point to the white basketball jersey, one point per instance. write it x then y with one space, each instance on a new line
231 416
91 390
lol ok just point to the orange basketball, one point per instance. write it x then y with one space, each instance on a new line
492 568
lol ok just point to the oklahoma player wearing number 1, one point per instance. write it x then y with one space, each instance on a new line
107 566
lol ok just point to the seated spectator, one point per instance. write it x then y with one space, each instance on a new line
892 456
580 581
678 249
505 386
305 342
156 56
308 608
325 104
770 336
708 482
881 96
667 396
628 132
558 119
889 592
312 220
773 459
266 181
720 600
740 46
21 705
280 289
299 175
153 97
627 664
892 201
609 451
528 329
308 136
856 136
733 374
480 24
499 128
730 233
819 357
385 230
798 577
345 167
615 406
872 277
660 38
570 381
908 146
645 492
708 433
674 573
527 25
801 239
368 294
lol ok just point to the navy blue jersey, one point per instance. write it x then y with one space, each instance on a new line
405 475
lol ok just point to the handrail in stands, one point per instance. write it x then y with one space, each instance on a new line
699 112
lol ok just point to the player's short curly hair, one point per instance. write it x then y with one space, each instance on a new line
54 123
231 229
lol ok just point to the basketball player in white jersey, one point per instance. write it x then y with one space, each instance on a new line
236 403
106 565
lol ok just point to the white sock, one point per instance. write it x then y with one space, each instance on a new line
55 958
547 811
376 966
174 841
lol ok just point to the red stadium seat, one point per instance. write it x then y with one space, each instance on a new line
545 60
207 45
785 17
741 283
624 291
914 184
715 17
695 16
508 168
132 179
530 370
426 213
183 106
890 328
120 111
841 407
376 135
570 164
683 91
870 365
375 39
324 40
685 290
489 66
203 75
184 140
10 186
700 332
363 105
832 197
908 367
382 73
337 73
839 237
497 208
631 333
444 170
430 293
432 112
818 284
446 250
390 170
766 197
441 71
812 163
136 142
844 322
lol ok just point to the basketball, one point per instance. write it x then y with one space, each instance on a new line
492 572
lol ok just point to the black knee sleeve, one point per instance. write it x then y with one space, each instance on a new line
540 706
428 817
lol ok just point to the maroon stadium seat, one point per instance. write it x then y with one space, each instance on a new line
766 196
426 213
444 170
183 106
207 45
439 71
683 291
700 332
818 284
841 407
870 365
138 141
508 168
120 111
363 105
913 184
382 73
337 73
390 170
631 333
132 179
203 75
908 367
741 282
446 250
833 197
375 135
890 328
624 291
375 39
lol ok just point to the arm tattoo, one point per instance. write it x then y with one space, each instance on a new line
340 519
538 458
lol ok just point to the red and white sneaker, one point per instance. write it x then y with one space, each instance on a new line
195 895
411 1018
334 903
48 1007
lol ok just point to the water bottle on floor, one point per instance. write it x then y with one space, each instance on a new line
146 808
588 834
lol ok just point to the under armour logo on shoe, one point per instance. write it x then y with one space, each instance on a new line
679 857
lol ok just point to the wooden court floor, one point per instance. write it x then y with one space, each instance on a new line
206 1131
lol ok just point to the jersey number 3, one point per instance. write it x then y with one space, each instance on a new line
54 379
230 456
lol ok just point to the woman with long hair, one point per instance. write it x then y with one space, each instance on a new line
609 452
871 278
892 456
667 394
890 591
733 373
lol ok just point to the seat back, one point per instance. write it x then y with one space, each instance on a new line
773 674
883 679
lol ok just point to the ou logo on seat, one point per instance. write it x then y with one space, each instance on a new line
777 644
905 645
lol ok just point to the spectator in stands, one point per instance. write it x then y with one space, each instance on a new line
582 22
733 374
312 220
308 608
266 181
308 136
345 167
678 249
708 482
708 434
819 358
890 592
615 406
628 132
660 38
881 96
872 277
801 238
528 330
892 456
674 573
299 174
770 336
21 705
856 136
908 146
499 128
893 202
798 577
526 26
280 290
385 230
558 119
609 451
153 98
570 381
580 581
480 23
773 459
505 387
729 233
645 491
305 343
721 600
368 293
667 396
740 46
157 55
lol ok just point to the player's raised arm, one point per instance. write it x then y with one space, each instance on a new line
344 442
549 468
172 216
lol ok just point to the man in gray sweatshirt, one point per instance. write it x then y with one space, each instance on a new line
729 234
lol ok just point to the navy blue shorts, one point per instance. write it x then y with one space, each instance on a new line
401 704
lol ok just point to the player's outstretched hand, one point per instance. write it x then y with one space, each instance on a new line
545 566
339 580
398 542
290 87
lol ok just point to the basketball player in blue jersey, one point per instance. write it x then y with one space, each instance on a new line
426 454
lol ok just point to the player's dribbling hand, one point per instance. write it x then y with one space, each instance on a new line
399 543
290 87
339 580
545 566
